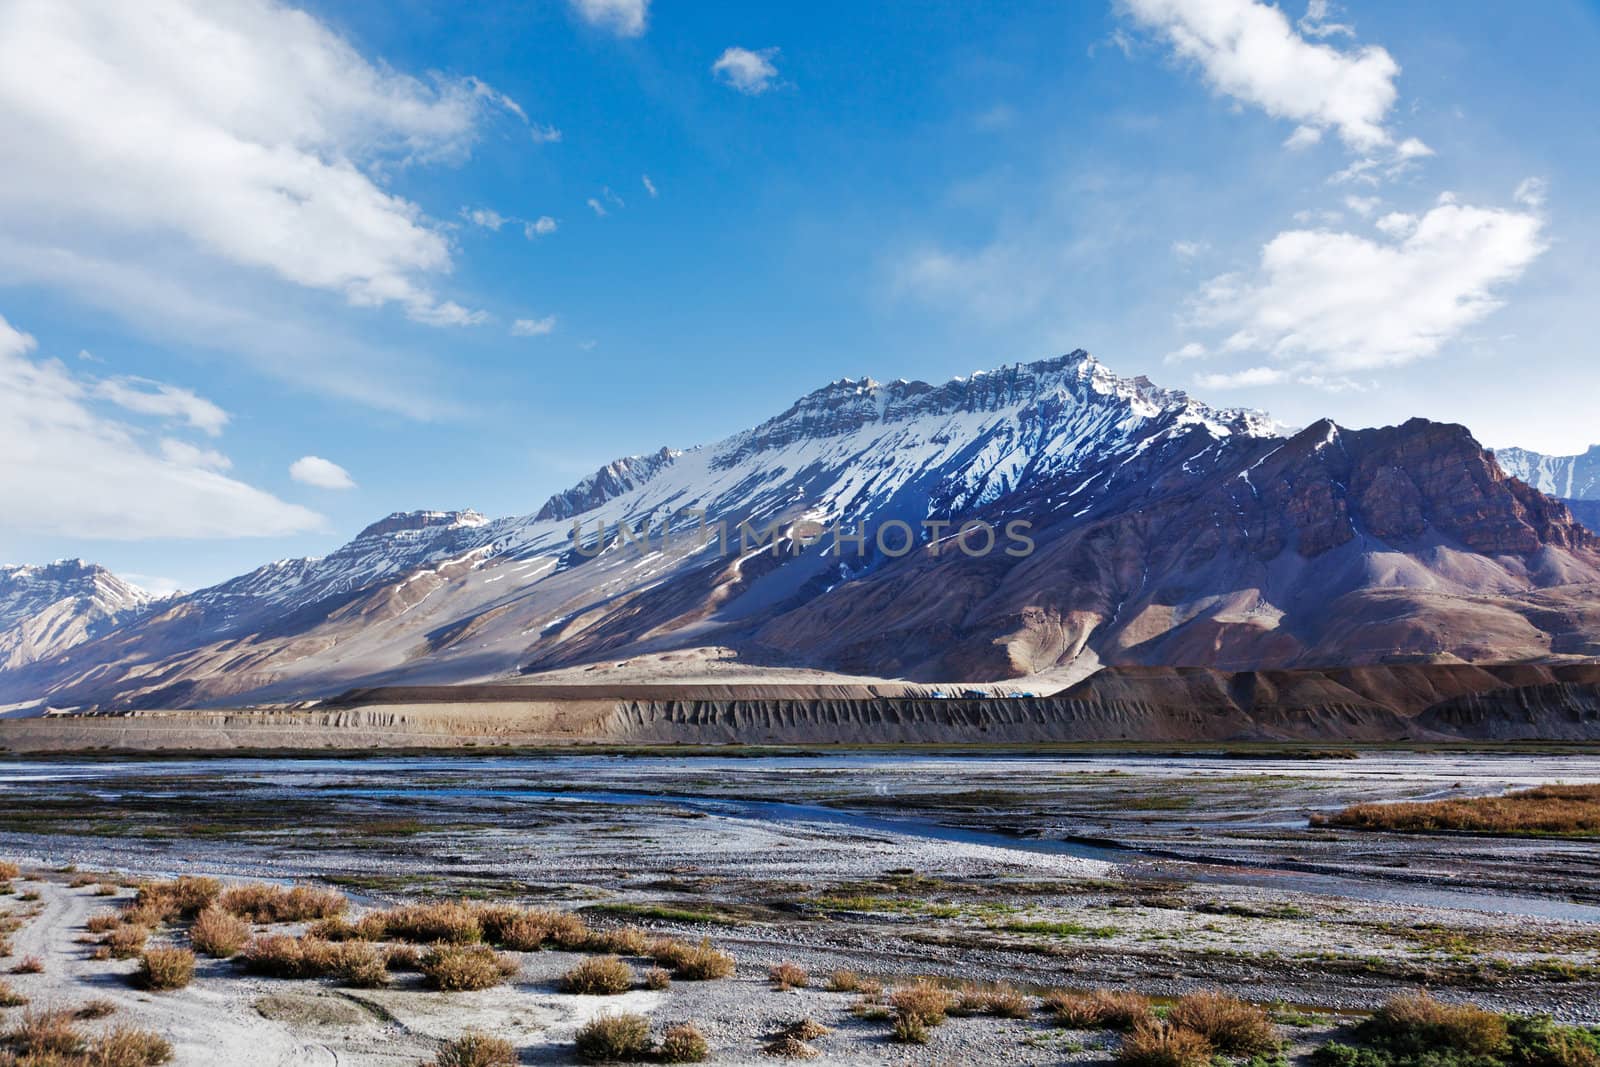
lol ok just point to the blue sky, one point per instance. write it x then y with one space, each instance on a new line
238 236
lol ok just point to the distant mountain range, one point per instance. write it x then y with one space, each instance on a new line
1158 531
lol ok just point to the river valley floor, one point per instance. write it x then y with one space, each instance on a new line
1162 874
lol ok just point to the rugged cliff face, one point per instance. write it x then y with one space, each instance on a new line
46 610
1159 531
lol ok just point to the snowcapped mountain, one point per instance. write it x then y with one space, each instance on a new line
45 610
1158 529
1568 477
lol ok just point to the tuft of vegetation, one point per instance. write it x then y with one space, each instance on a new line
44 1034
909 1029
1101 1009
9 870
614 1039
1160 1044
791 1048
9 997
622 941
599 976
924 1000
806 1030
683 1043
473 1049
261 902
658 978
219 934
1000 1000
846 982
94 1009
361 966
458 968
28 965
788 975
102 922
125 1046
282 956
182 898
1232 1026
691 963
1563 810
164 969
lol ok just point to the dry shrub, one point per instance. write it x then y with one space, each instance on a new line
46 1033
79 881
1158 1044
623 941
125 1046
564 929
181 898
474 1049
1416 1023
529 929
9 997
614 1039
282 956
1002 1001
1232 1026
845 982
28 965
424 924
106 889
337 928
1101 1009
683 1043
909 1029
658 978
600 976
361 965
94 1009
403 957
1545 809
219 934
454 968
261 902
102 922
126 942
788 975
692 963
923 1000
9 870
165 968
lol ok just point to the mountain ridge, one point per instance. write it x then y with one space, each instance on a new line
1165 531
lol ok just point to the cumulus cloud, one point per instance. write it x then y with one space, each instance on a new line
539 227
488 218
247 133
748 71
165 401
72 471
625 18
533 327
1251 52
1342 301
320 473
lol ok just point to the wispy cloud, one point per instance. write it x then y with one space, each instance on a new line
649 186
534 327
539 227
146 397
625 18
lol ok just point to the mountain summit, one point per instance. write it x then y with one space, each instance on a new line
1157 530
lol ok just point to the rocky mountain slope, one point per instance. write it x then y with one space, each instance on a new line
47 610
1568 477
1158 530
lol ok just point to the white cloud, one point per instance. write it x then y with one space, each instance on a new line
245 133
488 218
1192 350
1347 302
1316 22
165 401
748 71
625 18
1250 52
1396 224
320 473
1531 193
539 227
1244 379
70 471
544 134
533 327
1363 205
596 206
1303 137
1188 249
649 186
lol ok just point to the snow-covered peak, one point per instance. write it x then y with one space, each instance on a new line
412 521
607 483
1569 477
